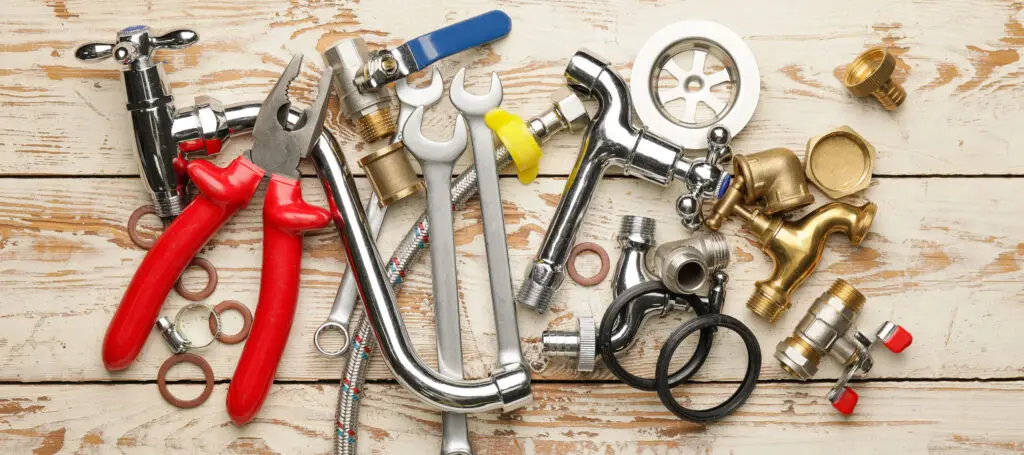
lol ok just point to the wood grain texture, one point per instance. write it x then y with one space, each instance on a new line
959 61
926 417
936 261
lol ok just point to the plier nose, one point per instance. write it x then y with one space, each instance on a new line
279 146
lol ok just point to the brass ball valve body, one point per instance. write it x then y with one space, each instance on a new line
775 176
795 248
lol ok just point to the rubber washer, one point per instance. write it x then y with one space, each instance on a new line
144 242
246 322
593 248
161 380
211 282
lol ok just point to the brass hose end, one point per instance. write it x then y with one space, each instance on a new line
767 303
376 125
866 216
871 74
390 174
848 294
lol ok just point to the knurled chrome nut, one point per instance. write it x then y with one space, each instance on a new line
586 357
571 109
794 362
839 162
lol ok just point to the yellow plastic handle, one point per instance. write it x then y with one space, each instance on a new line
517 139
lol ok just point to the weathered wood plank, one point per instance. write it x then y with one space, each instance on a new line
927 417
65 117
941 260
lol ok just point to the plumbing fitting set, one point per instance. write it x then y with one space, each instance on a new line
645 128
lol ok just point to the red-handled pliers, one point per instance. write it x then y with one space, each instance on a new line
275 156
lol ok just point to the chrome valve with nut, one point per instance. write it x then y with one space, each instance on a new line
828 329
614 138
165 134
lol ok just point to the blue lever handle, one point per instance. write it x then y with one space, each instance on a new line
455 38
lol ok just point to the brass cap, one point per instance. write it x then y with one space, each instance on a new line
839 162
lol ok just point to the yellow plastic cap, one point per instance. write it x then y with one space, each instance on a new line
517 139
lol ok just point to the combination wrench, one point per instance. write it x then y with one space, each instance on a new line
474 107
344 302
437 159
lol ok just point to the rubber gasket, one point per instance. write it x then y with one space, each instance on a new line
601 254
211 282
144 242
607 351
246 322
746 387
161 380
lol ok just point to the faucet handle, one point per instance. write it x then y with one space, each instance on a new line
719 151
94 52
178 39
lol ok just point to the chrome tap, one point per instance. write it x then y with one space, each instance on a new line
613 138
164 134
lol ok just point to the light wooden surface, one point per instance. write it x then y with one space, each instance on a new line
944 256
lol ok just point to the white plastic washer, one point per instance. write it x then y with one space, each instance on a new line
650 62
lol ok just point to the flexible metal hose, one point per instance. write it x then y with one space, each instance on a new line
413 244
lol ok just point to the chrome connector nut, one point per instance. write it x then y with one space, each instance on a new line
571 109
795 362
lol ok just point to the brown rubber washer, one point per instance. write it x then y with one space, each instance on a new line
144 242
161 380
211 282
246 322
593 248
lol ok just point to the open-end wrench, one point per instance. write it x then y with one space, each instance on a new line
474 107
345 301
438 160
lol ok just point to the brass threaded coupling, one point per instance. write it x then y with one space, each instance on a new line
376 125
390 173
871 74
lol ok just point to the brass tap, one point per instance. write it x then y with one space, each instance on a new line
871 74
774 175
796 246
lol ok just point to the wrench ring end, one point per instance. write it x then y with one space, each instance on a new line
344 333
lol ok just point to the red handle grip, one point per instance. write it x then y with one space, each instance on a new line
224 192
285 218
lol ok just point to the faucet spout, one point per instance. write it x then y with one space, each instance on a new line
796 247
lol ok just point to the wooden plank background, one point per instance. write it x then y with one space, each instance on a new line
943 258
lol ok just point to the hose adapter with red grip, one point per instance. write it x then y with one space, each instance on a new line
223 192
285 218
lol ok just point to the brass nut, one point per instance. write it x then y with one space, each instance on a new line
871 74
390 174
840 162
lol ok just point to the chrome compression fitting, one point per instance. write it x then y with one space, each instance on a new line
613 138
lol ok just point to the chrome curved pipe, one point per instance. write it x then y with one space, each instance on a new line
508 387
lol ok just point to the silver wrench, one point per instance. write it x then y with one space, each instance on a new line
474 107
437 159
345 301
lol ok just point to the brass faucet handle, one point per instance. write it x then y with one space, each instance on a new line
727 201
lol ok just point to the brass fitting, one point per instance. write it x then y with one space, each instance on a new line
840 162
390 174
775 176
370 111
871 74
795 248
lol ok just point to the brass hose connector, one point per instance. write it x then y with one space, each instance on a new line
795 248
827 330
390 174
871 74
774 176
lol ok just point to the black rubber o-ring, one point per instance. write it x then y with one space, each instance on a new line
727 407
607 351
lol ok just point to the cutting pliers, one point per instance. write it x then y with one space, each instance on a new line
274 158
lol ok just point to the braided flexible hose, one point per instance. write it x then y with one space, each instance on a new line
413 244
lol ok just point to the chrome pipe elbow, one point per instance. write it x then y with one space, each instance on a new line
685 266
509 385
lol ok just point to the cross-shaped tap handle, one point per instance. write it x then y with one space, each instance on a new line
136 43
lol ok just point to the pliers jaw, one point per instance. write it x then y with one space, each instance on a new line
283 137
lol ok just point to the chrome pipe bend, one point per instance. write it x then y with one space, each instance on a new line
509 385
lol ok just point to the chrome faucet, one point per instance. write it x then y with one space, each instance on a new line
613 138
164 134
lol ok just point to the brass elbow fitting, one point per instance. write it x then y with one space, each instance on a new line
871 74
795 248
774 176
